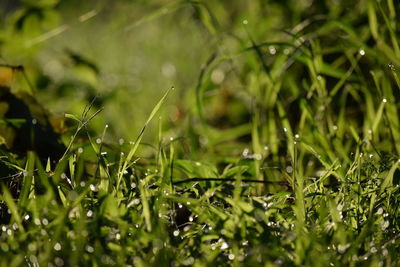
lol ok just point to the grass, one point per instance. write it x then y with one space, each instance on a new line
285 150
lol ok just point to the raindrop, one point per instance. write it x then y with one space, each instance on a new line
34 121
272 50
384 100
176 233
98 141
362 52
245 22
231 256
121 141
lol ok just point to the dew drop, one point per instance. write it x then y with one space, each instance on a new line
224 245
57 246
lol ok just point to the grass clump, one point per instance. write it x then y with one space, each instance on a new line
284 152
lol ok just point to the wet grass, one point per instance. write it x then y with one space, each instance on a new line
285 151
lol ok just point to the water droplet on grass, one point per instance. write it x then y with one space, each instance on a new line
245 22
217 76
289 169
57 246
380 211
361 52
385 225
89 249
224 245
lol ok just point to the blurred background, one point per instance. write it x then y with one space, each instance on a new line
125 54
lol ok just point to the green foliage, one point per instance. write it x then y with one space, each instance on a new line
280 149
